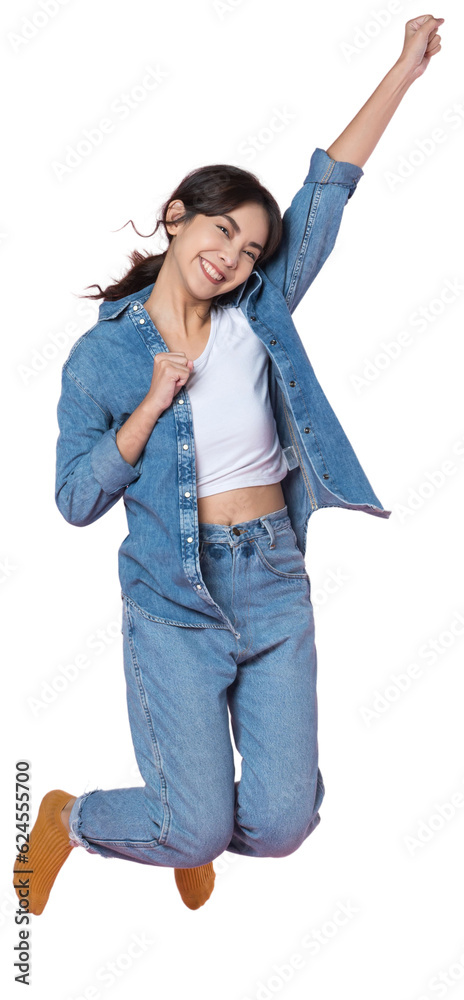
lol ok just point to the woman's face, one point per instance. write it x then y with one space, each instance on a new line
227 245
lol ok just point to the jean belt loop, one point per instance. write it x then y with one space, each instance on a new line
270 531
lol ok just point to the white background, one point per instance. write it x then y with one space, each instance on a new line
225 74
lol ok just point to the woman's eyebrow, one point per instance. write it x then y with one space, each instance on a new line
238 230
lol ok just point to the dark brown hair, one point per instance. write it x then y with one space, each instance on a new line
210 190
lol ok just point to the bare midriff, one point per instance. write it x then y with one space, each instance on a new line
243 504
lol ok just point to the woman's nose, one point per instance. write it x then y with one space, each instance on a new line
230 260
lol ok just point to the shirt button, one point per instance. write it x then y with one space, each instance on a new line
186 494
273 342
198 586
190 539
185 447
292 383
252 317
135 308
307 430
180 401
142 320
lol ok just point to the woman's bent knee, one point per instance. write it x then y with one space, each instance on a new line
280 839
201 845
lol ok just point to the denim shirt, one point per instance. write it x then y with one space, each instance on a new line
108 373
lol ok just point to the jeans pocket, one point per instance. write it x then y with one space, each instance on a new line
285 559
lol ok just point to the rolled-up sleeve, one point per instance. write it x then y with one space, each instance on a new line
311 224
91 474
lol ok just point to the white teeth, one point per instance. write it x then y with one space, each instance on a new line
211 270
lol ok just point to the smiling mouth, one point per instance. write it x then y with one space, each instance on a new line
211 272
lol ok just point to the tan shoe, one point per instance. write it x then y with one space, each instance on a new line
195 884
49 847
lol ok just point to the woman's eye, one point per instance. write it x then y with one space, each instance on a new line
245 251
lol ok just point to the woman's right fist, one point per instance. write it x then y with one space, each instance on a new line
171 370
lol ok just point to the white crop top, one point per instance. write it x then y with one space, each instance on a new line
236 440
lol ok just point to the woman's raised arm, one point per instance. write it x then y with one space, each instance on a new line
357 141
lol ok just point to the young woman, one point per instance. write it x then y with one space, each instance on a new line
193 398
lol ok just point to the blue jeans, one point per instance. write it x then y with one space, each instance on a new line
181 681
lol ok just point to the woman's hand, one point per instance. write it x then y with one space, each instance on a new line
420 44
171 370
356 142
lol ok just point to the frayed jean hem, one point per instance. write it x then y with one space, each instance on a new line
75 822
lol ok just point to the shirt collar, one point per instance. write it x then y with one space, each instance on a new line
112 309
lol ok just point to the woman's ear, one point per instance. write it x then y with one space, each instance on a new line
175 210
